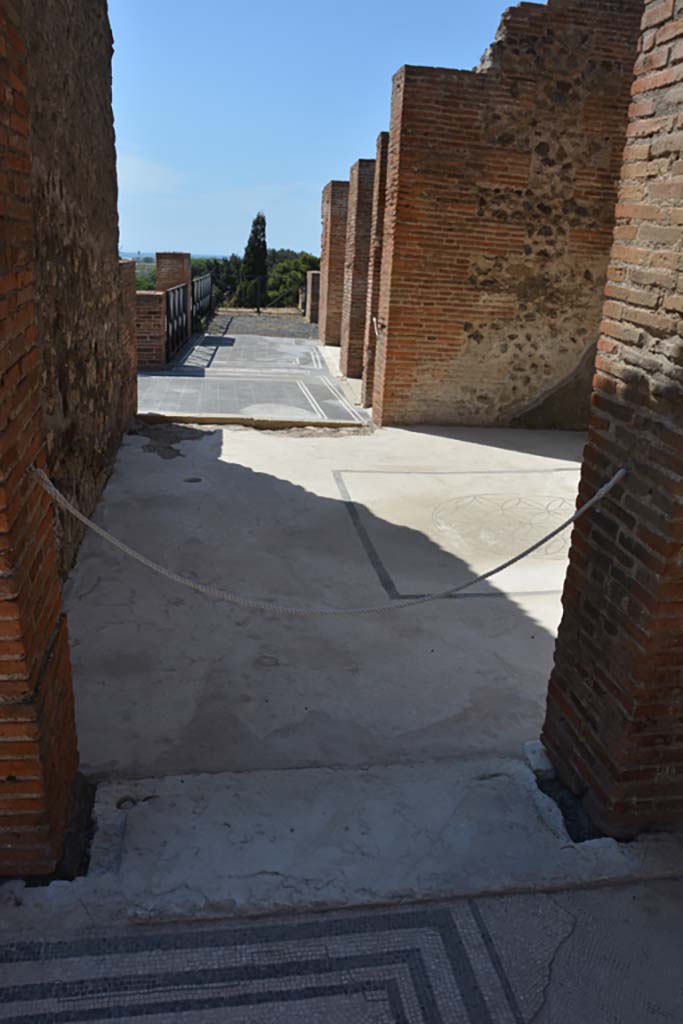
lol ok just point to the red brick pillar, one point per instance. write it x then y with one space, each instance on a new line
332 254
150 329
174 268
38 755
354 298
379 189
128 342
614 725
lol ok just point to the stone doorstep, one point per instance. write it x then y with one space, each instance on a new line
314 838
263 842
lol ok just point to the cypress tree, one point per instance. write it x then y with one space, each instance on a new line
254 273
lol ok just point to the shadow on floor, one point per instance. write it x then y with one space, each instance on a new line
169 681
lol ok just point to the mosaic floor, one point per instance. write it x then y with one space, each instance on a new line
423 967
227 375
609 956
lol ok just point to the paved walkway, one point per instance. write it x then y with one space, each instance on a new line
266 370
594 957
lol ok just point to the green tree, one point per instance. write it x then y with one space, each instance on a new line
146 280
276 256
254 272
288 276
225 275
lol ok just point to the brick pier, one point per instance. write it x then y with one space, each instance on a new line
501 188
332 255
614 725
379 189
356 266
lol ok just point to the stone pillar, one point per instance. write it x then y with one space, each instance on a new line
128 342
38 753
333 251
312 295
614 724
174 268
379 189
356 261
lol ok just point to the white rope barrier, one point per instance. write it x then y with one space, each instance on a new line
263 605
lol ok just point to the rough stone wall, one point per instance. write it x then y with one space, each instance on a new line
356 266
38 756
332 255
86 367
500 197
614 725
379 189
312 296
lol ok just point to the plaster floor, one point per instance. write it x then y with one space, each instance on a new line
168 681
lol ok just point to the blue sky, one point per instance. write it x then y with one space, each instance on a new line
223 109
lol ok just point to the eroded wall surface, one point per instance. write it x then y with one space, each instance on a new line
501 188
87 368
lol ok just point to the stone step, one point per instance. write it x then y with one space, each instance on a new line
296 839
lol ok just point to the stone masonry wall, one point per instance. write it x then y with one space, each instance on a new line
356 266
614 725
379 189
87 372
500 196
332 255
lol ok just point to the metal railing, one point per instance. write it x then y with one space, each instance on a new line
201 295
176 319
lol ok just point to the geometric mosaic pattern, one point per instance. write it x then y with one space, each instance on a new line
248 378
425 966
503 521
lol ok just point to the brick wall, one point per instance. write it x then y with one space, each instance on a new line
150 329
312 295
614 724
332 255
88 383
38 756
499 212
356 266
379 188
